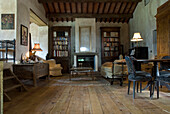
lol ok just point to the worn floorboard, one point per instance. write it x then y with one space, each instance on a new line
98 98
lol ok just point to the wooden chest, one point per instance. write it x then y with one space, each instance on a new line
31 71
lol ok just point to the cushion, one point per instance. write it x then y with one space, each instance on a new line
143 73
55 68
165 79
164 74
51 62
139 78
118 67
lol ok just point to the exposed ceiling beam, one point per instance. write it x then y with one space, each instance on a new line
47 1
78 15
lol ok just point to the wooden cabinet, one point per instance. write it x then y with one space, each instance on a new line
163 30
110 37
139 52
60 43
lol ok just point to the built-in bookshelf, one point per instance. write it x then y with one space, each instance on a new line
110 43
60 46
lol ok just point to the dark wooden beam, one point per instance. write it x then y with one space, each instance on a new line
45 1
77 15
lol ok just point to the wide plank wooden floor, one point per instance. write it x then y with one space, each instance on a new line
49 98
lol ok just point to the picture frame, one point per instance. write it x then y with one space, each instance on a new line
146 2
24 35
7 21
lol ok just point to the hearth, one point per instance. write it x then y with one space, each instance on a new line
85 61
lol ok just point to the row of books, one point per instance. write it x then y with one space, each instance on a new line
106 54
60 47
60 38
55 34
109 48
60 53
110 44
111 34
61 42
111 39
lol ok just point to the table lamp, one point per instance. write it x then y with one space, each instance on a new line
36 48
136 38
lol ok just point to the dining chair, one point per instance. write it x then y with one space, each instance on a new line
164 75
136 76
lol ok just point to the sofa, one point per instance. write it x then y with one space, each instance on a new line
54 69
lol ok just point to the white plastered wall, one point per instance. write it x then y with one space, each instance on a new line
144 21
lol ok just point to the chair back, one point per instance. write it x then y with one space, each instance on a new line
130 66
165 65
51 62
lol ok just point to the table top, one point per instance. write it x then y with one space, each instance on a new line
153 60
120 62
81 68
27 64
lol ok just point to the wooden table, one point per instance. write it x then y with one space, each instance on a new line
81 70
121 75
155 69
31 71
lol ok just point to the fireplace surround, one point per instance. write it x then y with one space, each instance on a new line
86 59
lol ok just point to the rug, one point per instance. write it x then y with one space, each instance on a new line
82 80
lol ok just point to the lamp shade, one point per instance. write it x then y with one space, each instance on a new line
36 47
136 37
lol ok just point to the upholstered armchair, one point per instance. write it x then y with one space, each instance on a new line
109 68
54 69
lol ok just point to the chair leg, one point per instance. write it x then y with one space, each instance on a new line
157 85
112 80
150 88
153 90
129 86
121 81
137 86
134 82
140 87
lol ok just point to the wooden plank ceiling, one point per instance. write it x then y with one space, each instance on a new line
102 10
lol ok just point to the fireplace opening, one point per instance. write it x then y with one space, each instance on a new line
85 61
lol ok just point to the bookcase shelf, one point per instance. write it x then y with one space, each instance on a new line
60 46
110 43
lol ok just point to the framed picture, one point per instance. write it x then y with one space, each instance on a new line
7 21
146 2
24 35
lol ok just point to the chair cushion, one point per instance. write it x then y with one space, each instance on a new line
139 78
164 79
117 69
143 73
106 69
164 74
55 68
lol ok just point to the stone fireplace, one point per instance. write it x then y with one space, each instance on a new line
85 42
